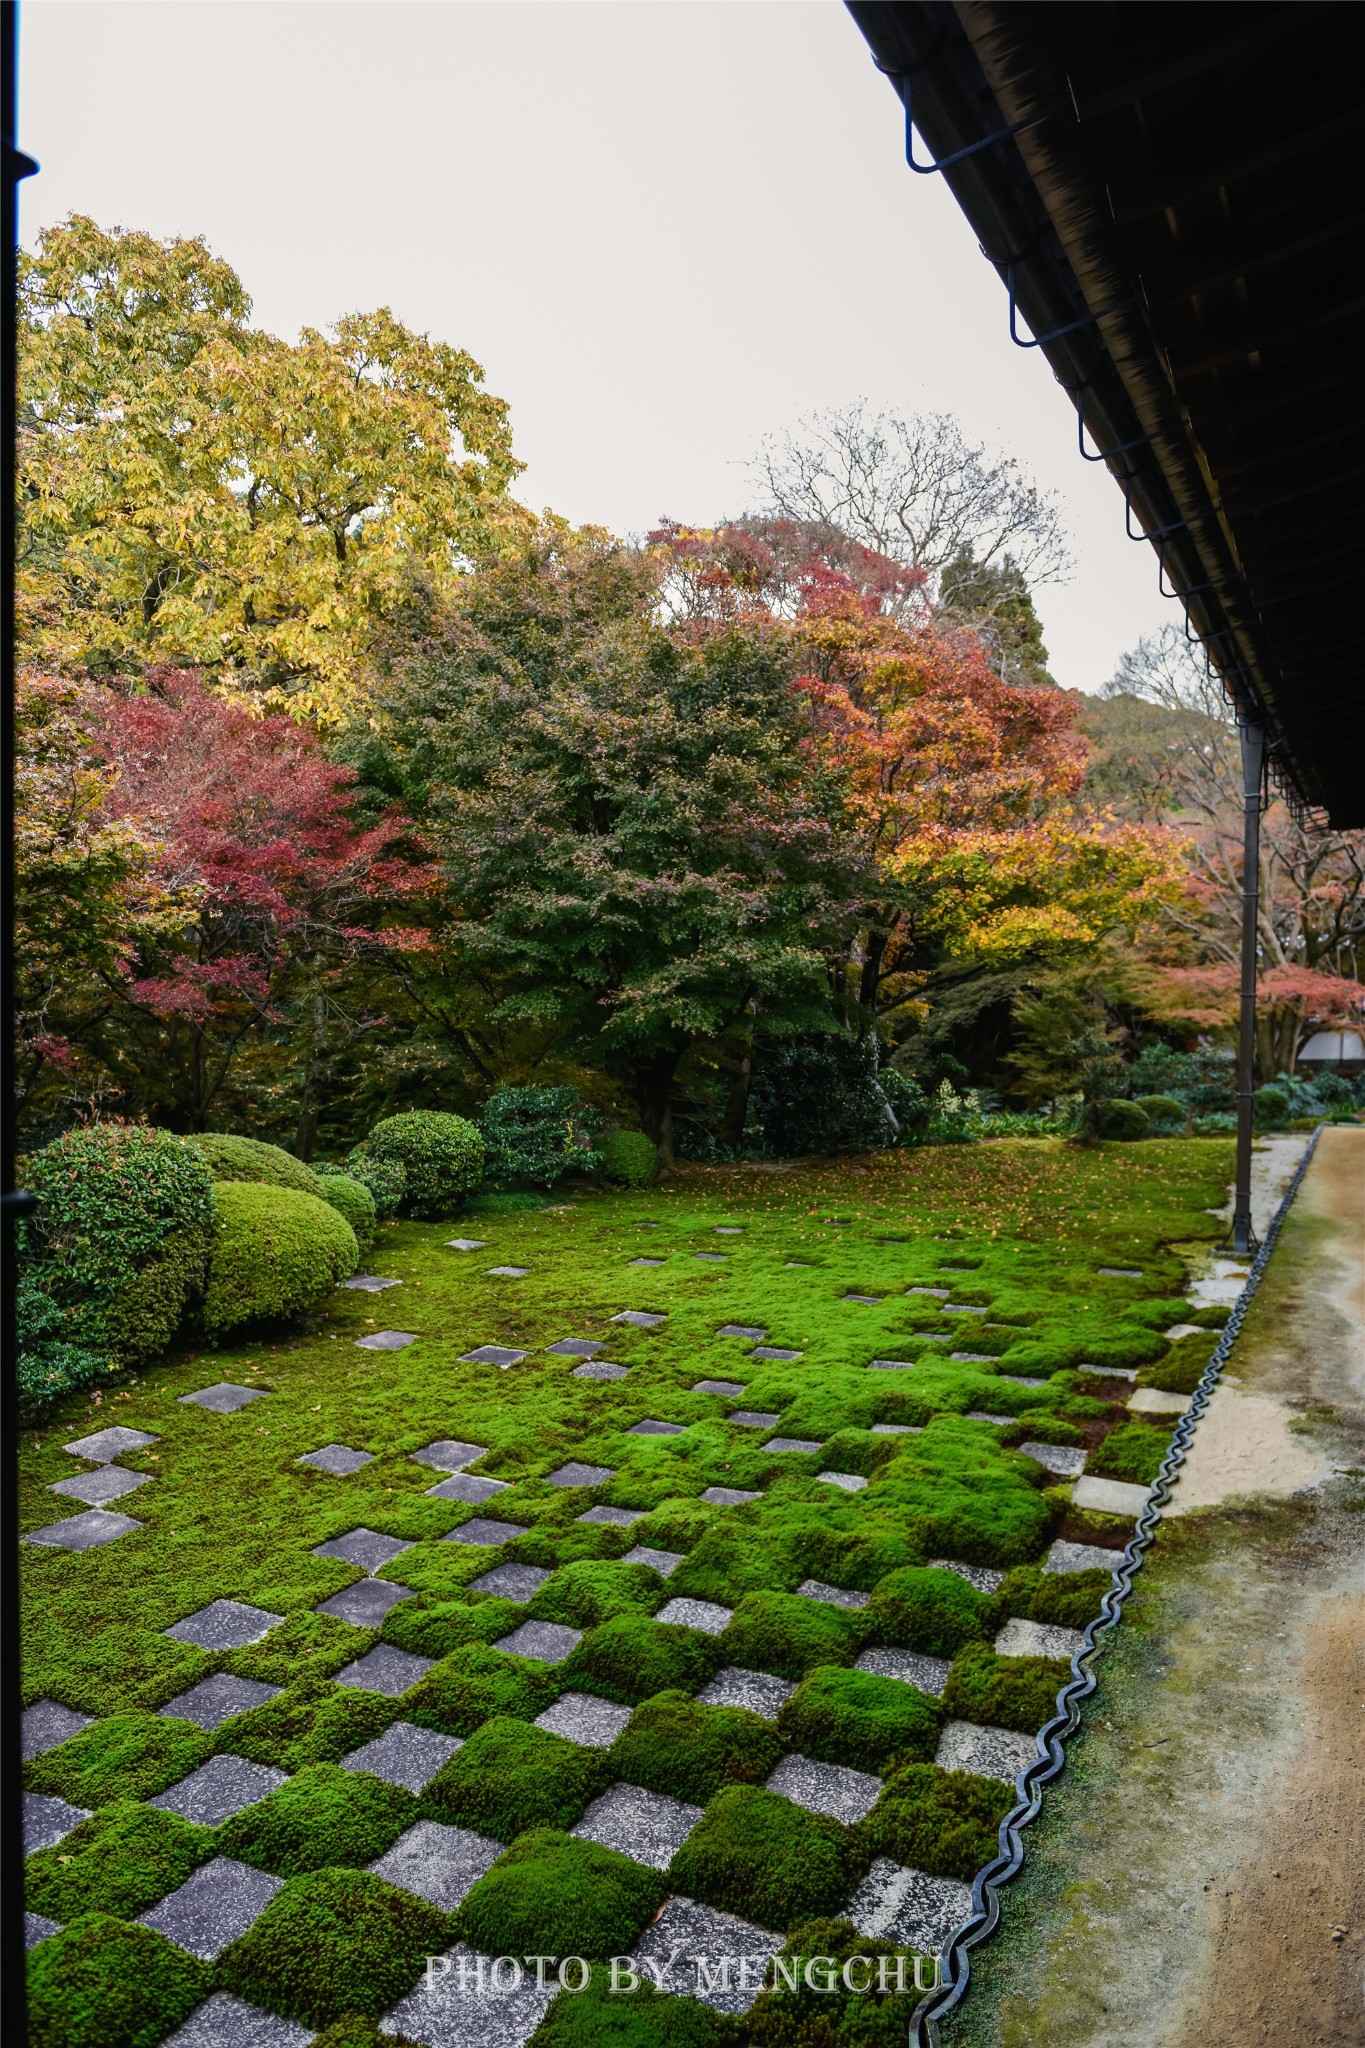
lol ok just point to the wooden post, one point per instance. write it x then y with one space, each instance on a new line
1253 762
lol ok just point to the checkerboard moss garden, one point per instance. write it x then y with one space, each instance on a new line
503 1674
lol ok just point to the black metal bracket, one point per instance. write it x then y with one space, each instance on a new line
1176 525
1055 333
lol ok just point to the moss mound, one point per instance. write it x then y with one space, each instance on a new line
929 1610
788 1635
124 1756
1181 1370
860 1718
324 1815
334 1942
599 2017
1132 1452
510 1777
758 1855
278 1253
102 1983
631 1658
473 1684
688 1751
942 1822
551 1894
1004 1692
120 1861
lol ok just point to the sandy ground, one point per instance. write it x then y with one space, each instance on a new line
1197 1878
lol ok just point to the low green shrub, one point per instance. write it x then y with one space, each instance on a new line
629 1159
1162 1112
474 1683
1181 1370
929 1610
758 1855
106 1983
1270 1108
859 1718
536 1135
323 1816
121 1756
510 1776
1004 1692
552 1894
789 1635
278 1253
1120 1119
114 1256
122 1860
441 1157
673 1745
632 1658
233 1158
1070 1599
941 1822
386 1180
334 1942
1221 1124
1132 1452
354 1201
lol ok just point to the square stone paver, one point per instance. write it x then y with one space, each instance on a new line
486 1532
577 1474
758 1692
1110 1496
1080 1557
891 1364
989 1752
728 1496
214 1907
509 1272
639 1319
108 1444
985 1415
223 1625
370 1283
1120 1272
644 1262
1066 1461
779 1444
732 1388
972 1357
909 1908
37 1928
651 1427
217 1699
223 2021
648 1827
387 1340
404 1755
831 1789
547 1642
470 1487
473 2002
105 1483
1019 1638
599 1369
445 1455
493 1354
926 1674
573 1347
963 1308
833 1596
664 1562
728 1229
753 1418
338 1459
583 1718
1110 1372
386 1670
366 1603
89 1531
897 1429
46 1725
619 1518
48 1821
754 1331
437 1862
519 1582
870 1299
941 1292
219 1788
223 1399
848 1482
706 1615
710 1258
711 1956
1143 1401
774 1351
365 1547
466 1244
983 1576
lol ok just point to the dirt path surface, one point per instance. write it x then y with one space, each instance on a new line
1198 1877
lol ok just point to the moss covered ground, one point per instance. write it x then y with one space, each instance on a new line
1018 1230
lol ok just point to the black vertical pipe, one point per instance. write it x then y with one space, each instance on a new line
1253 768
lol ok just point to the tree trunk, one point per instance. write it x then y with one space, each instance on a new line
654 1094
314 1074
870 977
737 1094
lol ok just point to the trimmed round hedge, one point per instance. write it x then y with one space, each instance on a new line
441 1157
385 1180
353 1200
1119 1119
234 1158
277 1254
629 1158
1162 1112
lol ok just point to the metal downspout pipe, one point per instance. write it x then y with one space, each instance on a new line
1252 735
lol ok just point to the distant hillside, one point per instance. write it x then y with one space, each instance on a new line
1133 744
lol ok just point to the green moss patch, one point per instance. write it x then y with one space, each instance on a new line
121 1861
473 1684
942 1822
1132 1452
551 1894
333 1943
1004 1692
599 2017
631 1658
510 1777
324 1815
1181 1370
673 1745
935 1612
859 1718
312 1722
789 1635
1070 1599
758 1855
126 1756
584 1594
831 2015
101 1983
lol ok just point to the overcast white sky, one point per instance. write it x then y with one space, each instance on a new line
665 228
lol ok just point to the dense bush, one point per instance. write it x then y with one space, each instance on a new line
1162 1112
277 1254
441 1157
910 1106
629 1158
1203 1081
114 1256
536 1135
353 1200
1120 1119
234 1158
385 1179
1270 1108
818 1095
556 1895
